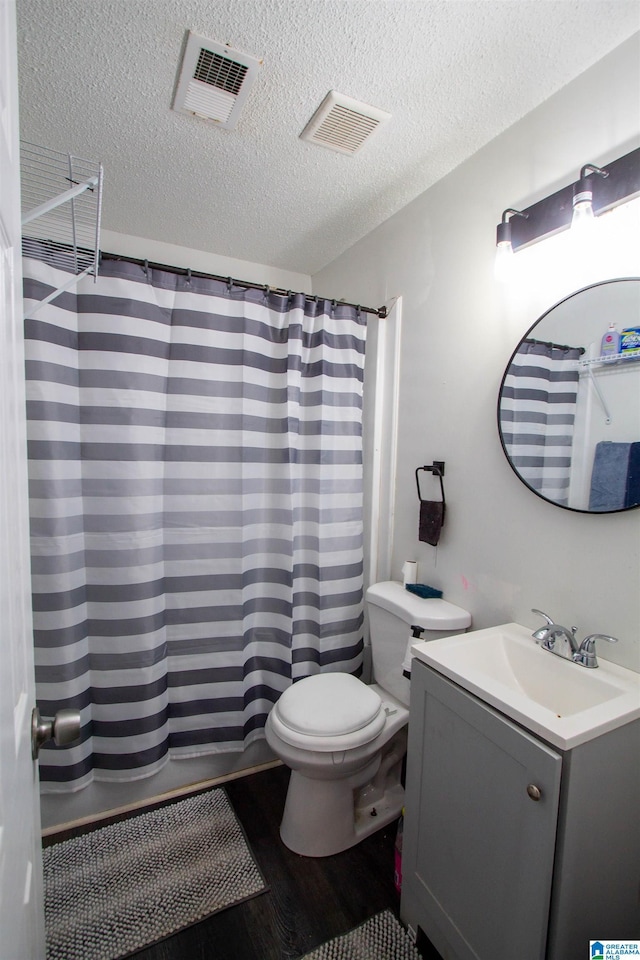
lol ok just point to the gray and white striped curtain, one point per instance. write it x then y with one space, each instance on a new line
537 415
196 509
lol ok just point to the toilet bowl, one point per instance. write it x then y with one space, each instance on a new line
330 766
345 740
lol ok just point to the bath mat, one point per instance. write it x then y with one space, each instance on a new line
122 887
380 938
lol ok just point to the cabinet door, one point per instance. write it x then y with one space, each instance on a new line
478 849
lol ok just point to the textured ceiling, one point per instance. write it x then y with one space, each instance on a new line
97 79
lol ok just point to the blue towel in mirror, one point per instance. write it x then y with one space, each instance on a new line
632 495
609 476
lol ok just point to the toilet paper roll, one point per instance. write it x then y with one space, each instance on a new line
409 572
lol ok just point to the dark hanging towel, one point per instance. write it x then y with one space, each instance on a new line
431 512
431 520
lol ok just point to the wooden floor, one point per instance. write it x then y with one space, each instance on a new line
309 901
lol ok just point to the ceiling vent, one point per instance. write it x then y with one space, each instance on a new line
343 124
214 81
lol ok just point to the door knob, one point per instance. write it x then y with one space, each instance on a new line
534 792
64 728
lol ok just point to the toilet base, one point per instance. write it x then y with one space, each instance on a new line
324 817
389 808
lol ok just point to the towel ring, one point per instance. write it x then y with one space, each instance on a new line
437 469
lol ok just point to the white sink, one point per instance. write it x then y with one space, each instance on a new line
562 702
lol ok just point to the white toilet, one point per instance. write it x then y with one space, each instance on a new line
345 740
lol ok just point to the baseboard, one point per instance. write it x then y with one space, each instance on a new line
160 798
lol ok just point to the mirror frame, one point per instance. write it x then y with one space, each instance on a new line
554 503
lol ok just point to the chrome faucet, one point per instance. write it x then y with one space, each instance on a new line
555 638
562 641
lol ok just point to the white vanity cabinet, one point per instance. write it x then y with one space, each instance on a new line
513 849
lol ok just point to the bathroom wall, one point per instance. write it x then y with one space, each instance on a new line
503 550
175 256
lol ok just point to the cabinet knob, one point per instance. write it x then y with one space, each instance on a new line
534 792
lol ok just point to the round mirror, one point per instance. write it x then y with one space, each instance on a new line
569 404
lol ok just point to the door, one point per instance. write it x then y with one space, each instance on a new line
21 911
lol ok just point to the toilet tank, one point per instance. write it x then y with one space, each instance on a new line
393 610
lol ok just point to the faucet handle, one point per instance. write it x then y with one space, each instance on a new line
542 614
541 635
586 655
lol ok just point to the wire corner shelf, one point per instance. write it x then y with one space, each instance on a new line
608 359
61 198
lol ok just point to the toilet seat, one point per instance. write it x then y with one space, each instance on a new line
328 712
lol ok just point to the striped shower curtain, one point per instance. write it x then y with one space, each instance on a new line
195 461
537 415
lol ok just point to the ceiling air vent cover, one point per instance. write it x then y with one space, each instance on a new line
343 124
214 81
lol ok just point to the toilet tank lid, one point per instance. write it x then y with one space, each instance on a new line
432 613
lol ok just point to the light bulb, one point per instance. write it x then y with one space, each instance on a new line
583 216
503 266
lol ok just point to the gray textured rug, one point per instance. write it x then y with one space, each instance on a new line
124 886
380 938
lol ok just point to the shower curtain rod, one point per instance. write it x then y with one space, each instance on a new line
550 343
184 271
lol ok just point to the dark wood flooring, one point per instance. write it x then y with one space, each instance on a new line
309 901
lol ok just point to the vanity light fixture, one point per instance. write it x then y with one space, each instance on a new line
597 190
